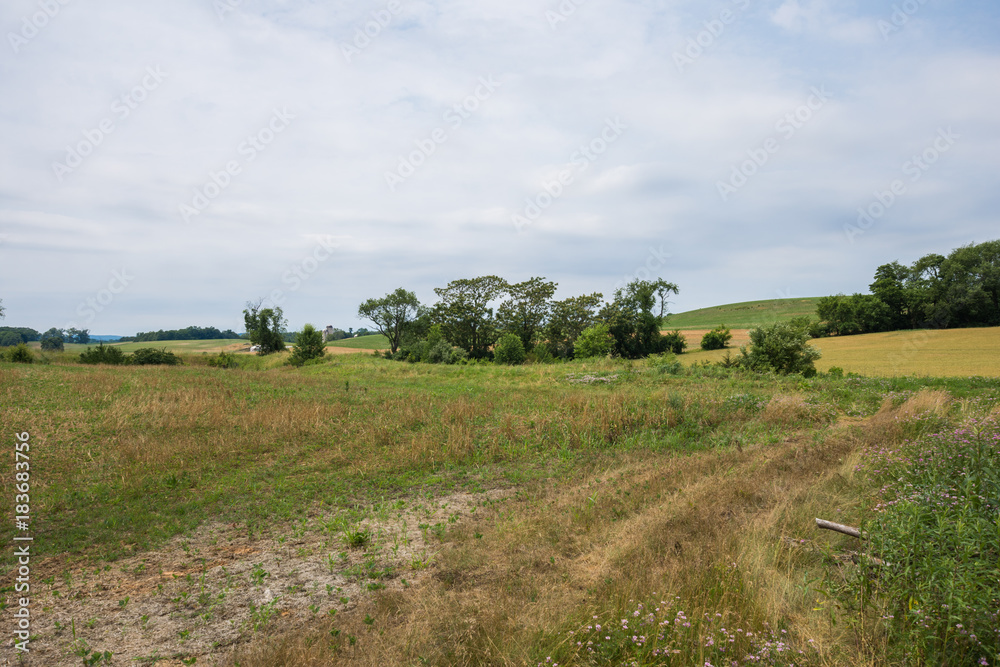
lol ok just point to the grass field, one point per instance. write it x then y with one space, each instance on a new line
375 342
744 315
177 346
372 512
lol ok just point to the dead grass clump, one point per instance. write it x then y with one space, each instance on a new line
892 423
786 410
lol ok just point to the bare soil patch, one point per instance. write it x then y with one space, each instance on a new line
203 594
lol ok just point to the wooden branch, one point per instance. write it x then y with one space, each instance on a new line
840 528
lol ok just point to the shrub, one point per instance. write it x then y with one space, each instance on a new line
674 342
666 363
836 372
781 348
52 341
103 354
149 356
19 354
509 350
223 360
716 339
308 345
540 354
594 341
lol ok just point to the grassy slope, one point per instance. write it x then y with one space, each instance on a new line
374 342
744 315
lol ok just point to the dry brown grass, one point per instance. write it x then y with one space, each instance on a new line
555 556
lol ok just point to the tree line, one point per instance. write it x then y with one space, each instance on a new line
487 317
935 292
188 333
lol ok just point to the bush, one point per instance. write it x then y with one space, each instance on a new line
666 363
223 360
19 354
781 348
149 356
674 342
509 350
52 341
594 341
540 354
716 339
103 354
308 345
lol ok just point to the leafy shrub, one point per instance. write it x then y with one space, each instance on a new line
666 363
19 354
103 354
836 372
308 345
509 350
674 342
781 348
439 353
594 341
716 339
52 341
148 356
223 360
540 354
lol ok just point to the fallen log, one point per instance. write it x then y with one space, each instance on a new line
840 528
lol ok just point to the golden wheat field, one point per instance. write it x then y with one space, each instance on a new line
929 352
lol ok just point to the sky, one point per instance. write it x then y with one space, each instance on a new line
164 163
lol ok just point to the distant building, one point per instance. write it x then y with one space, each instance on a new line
328 333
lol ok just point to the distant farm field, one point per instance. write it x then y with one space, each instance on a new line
375 342
171 345
936 353
744 315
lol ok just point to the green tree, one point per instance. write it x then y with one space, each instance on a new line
391 314
509 350
890 287
526 309
52 340
594 341
464 313
716 339
568 319
781 348
308 345
81 336
630 318
264 326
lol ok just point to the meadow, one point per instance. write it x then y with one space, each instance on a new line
370 512
744 315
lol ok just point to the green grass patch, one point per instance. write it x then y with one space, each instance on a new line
744 315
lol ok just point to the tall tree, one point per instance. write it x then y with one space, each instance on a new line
630 318
465 315
265 326
525 310
391 314
568 318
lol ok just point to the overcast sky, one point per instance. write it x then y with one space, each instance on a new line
163 163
